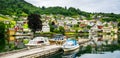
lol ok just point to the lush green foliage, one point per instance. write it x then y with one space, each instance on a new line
54 28
52 24
2 36
23 8
62 30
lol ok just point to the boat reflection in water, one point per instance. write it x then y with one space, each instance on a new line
70 54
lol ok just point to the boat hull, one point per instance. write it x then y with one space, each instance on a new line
71 49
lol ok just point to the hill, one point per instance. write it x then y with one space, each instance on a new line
16 7
23 8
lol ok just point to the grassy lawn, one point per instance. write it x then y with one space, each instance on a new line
77 28
2 18
72 33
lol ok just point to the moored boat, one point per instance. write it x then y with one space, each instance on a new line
70 45
38 41
58 39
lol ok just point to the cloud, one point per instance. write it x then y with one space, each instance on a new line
106 6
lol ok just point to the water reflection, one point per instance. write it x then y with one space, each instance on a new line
115 54
99 46
71 54
100 43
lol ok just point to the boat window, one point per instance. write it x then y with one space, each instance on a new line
69 44
40 42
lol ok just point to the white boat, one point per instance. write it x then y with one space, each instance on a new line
70 45
38 41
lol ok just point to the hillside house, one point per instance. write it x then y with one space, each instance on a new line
45 27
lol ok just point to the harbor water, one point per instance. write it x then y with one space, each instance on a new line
100 46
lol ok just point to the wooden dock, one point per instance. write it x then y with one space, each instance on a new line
33 53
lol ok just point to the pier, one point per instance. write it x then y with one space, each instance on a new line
33 53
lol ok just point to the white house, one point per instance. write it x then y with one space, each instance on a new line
60 22
99 23
74 21
91 23
67 21
45 27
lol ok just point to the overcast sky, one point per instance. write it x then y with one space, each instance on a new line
106 6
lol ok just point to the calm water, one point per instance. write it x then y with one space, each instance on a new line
101 46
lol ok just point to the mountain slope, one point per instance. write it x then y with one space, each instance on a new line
16 7
23 8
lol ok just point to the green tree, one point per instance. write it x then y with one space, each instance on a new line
62 30
34 22
51 28
56 30
2 36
